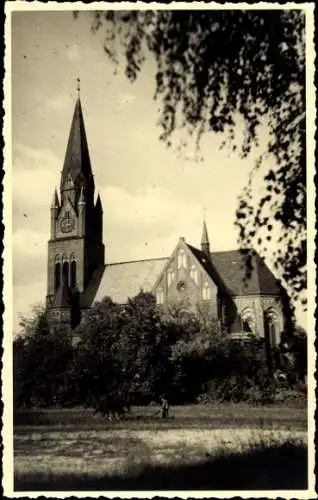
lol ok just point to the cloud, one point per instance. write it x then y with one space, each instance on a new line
29 267
58 102
146 224
26 156
153 206
34 175
29 257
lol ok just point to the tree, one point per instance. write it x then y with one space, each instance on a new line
215 69
144 348
96 374
293 353
122 357
41 360
30 323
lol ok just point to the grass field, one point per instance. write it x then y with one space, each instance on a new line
191 416
199 447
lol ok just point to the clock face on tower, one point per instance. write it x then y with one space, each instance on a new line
67 224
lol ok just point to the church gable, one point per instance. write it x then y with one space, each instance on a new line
185 281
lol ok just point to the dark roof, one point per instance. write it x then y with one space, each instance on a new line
231 266
63 297
92 288
268 284
77 158
211 270
227 269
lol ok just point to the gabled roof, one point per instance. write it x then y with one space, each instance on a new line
227 269
124 280
77 160
63 297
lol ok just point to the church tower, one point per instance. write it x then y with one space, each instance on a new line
75 249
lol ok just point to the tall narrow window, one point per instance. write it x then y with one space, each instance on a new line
272 328
73 274
194 274
159 296
272 333
65 273
170 276
206 292
182 259
57 277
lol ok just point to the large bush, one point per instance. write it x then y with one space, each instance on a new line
123 353
133 354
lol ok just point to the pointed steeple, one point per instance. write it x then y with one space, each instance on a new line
55 201
99 204
205 243
77 161
81 200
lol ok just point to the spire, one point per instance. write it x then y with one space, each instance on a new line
77 160
81 200
205 243
55 200
99 204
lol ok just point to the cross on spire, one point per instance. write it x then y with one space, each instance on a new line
78 86
77 159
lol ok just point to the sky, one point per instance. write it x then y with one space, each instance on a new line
151 195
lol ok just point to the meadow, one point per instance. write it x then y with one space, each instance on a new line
197 447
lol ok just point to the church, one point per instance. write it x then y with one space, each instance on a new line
196 278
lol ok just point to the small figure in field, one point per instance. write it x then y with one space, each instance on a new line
164 407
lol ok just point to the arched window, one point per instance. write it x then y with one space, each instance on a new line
248 321
170 276
206 291
57 275
182 259
247 324
194 274
271 326
65 273
73 274
159 296
272 333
